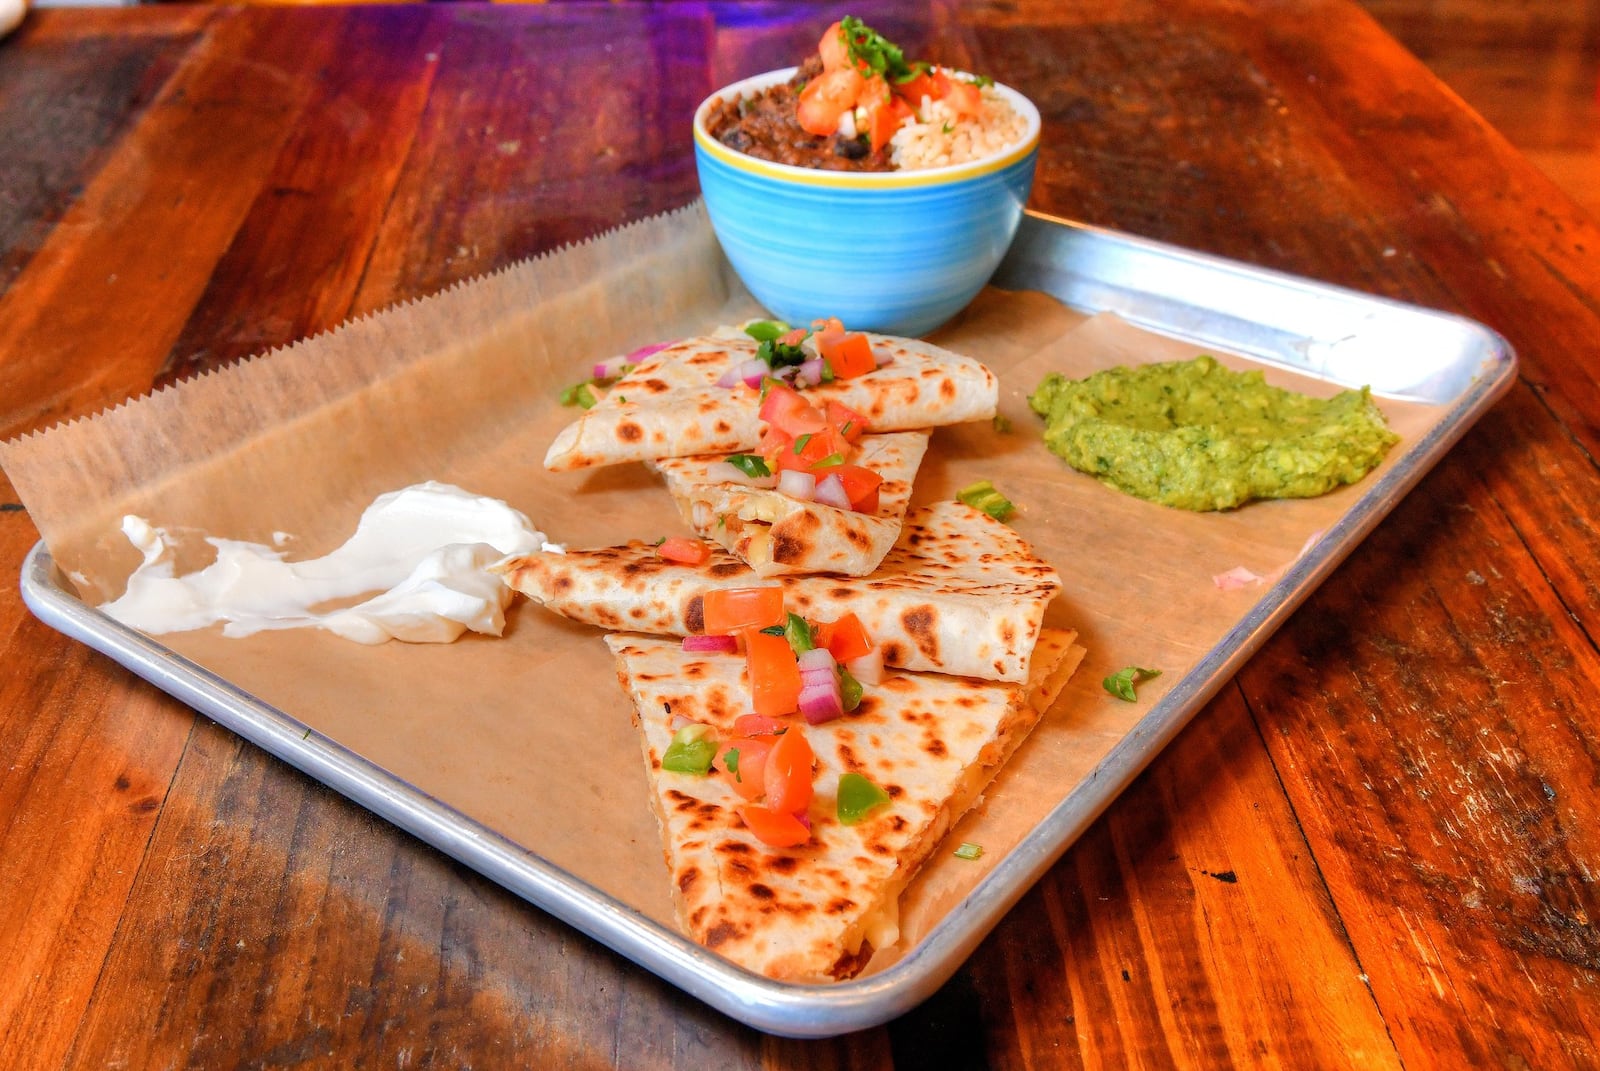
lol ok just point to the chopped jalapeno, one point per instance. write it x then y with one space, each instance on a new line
691 751
766 330
850 690
982 495
969 850
829 461
798 633
857 796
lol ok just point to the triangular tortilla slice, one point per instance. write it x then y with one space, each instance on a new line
775 534
960 592
815 913
669 405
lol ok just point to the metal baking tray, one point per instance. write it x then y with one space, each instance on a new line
1402 351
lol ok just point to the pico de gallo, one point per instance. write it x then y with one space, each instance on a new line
792 667
806 451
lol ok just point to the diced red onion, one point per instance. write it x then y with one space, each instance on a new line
820 704
803 818
611 368
820 698
867 668
749 372
809 373
830 492
797 484
728 472
645 351
883 358
718 644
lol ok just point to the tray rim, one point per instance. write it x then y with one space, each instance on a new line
784 1008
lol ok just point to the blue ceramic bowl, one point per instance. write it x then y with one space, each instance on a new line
894 252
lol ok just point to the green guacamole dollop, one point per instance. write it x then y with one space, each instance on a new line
1198 436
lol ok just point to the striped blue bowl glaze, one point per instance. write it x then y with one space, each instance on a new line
894 252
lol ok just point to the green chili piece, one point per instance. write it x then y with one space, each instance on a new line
798 633
982 495
766 330
850 689
691 751
857 796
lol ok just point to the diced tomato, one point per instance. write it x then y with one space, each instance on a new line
787 776
806 451
728 610
758 725
774 827
849 422
885 119
923 85
791 414
833 48
774 674
750 782
826 97
773 446
845 638
794 337
683 549
860 486
849 355
965 98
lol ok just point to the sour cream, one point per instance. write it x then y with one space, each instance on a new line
422 554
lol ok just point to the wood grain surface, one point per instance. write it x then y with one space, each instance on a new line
1378 847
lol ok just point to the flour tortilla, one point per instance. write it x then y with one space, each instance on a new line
816 912
960 592
775 534
670 404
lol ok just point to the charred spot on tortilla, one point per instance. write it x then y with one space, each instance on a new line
689 876
562 583
694 615
656 386
787 547
721 933
919 623
721 569
630 432
936 748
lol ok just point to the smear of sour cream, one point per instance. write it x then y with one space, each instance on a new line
425 550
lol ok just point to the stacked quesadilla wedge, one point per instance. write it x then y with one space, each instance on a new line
959 593
776 534
670 403
815 912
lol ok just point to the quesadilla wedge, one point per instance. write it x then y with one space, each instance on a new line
959 593
669 404
775 534
817 911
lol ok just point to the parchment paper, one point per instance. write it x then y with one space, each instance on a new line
530 733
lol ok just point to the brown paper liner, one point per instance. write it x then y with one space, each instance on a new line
530 734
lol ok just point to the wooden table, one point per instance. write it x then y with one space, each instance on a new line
1377 847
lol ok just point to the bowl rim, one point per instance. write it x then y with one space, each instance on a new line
862 180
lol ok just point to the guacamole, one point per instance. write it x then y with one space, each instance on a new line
1199 436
